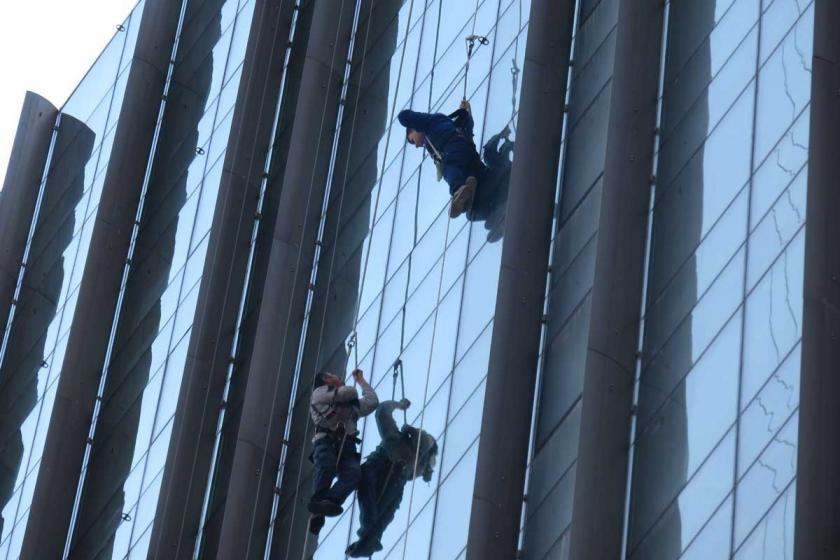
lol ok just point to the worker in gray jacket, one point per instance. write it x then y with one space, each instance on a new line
335 409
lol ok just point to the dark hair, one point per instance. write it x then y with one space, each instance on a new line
319 380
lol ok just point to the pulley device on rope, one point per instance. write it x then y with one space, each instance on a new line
514 78
471 41
398 374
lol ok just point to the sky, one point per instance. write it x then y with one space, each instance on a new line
46 46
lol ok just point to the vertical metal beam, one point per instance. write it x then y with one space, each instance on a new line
188 464
259 441
20 192
818 475
503 446
77 387
601 480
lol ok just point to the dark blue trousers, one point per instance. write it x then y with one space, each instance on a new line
345 470
460 160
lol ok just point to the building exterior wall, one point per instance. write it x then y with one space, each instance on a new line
59 244
377 276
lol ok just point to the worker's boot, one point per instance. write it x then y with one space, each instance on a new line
463 198
325 506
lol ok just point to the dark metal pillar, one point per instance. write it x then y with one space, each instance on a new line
20 192
601 480
503 447
258 445
188 464
77 387
818 471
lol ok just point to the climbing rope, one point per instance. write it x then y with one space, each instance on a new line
514 77
471 41
514 72
352 342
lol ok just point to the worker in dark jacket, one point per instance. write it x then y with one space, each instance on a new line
401 456
448 139
335 409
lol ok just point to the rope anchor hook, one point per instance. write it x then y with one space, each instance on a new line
471 41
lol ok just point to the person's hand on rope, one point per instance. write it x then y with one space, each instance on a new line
359 376
465 105
506 132
404 404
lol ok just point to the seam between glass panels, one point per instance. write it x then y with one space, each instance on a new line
164 369
741 307
316 258
745 278
463 280
733 426
246 287
643 305
676 175
29 238
123 283
17 518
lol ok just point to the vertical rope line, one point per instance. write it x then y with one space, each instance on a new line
246 286
293 290
434 334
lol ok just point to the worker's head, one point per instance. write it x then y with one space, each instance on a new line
326 378
415 138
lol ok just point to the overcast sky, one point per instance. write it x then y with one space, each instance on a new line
46 46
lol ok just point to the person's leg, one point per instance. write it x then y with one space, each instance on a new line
348 475
324 459
367 496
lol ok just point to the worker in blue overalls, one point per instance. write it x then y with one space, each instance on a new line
449 141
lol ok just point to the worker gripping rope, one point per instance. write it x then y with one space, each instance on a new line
335 409
448 139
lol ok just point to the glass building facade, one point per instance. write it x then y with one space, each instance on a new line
178 431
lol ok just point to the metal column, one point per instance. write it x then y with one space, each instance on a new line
20 192
77 387
188 464
601 481
818 471
259 441
503 446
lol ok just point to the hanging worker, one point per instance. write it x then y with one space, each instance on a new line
402 455
449 141
335 409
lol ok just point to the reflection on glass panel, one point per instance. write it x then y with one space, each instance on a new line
426 283
767 479
30 366
713 542
773 538
696 503
772 234
784 85
149 349
780 167
451 524
727 248
770 409
773 317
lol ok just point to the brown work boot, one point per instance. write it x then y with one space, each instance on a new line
463 198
